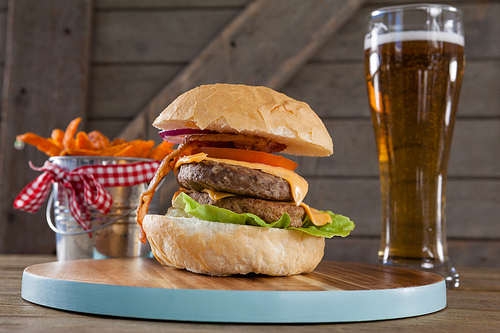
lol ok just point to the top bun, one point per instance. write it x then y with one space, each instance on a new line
258 111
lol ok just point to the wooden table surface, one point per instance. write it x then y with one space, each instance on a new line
473 307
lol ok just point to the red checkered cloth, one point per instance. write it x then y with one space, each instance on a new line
85 186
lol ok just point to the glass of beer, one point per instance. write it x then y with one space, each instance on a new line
414 61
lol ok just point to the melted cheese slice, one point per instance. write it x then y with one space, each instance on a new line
298 184
216 195
317 218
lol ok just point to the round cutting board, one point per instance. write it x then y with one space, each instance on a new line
142 288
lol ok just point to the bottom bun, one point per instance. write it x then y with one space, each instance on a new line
221 249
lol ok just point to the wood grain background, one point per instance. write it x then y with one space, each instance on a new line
138 49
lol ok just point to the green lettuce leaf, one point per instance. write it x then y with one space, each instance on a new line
340 225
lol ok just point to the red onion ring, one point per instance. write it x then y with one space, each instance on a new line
178 135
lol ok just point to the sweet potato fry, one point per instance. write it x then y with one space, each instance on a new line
118 142
99 140
80 152
110 151
161 151
40 143
127 151
113 150
57 136
69 134
53 142
82 141
145 146
73 143
137 148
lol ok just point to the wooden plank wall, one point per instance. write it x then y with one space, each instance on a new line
46 77
3 35
139 47
266 44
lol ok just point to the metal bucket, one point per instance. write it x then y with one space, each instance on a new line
115 234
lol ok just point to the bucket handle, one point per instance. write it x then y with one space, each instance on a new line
62 232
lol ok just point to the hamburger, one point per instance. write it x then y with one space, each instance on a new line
240 205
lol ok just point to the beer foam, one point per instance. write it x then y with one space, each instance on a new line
391 37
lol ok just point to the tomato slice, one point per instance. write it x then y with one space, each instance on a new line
250 156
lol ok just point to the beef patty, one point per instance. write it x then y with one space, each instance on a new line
266 210
233 179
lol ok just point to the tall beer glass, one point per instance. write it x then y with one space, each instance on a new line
414 61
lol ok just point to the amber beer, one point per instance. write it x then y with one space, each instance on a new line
413 81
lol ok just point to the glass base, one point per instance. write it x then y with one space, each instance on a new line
445 269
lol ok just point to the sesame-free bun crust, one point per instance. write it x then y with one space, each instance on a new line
259 111
221 249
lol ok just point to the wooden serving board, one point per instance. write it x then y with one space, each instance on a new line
142 288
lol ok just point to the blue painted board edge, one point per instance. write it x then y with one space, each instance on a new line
235 306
